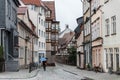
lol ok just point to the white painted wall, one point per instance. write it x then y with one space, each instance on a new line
42 28
111 8
35 15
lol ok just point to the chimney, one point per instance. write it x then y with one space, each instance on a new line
67 26
70 33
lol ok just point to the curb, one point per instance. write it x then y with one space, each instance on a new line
25 77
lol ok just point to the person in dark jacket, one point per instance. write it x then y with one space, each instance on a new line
44 65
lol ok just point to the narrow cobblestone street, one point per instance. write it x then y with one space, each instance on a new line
65 72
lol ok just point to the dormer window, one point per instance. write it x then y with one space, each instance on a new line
32 7
48 14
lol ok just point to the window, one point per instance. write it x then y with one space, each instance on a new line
47 36
39 32
44 46
48 14
52 48
98 29
46 25
39 20
111 57
116 50
117 58
53 26
32 7
53 36
57 37
9 9
35 41
57 26
106 58
113 24
107 27
39 44
42 34
42 10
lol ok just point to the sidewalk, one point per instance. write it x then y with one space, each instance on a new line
22 74
91 74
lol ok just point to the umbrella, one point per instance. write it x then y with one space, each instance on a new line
43 59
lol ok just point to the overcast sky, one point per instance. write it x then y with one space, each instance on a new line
67 11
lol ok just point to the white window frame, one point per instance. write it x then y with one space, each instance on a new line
107 27
113 24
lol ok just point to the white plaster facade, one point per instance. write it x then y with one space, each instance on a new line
96 24
39 21
80 56
111 36
42 33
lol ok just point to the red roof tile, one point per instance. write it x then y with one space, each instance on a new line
51 6
33 2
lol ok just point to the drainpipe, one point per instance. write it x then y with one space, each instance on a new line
84 37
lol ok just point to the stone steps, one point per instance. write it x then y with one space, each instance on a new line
11 65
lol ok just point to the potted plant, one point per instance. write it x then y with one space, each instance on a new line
1 59
88 67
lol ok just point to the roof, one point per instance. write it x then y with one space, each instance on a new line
31 27
69 36
21 10
64 41
32 2
23 24
51 6
67 30
79 20
17 3
78 29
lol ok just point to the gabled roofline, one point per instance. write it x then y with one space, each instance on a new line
17 3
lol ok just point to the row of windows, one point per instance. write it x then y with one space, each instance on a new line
47 36
41 10
23 33
97 55
48 14
95 30
95 4
42 45
87 28
42 22
111 54
54 48
85 5
48 25
33 7
54 37
55 26
41 33
110 28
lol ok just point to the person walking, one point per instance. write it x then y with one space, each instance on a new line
44 65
